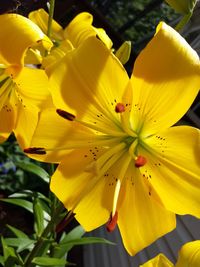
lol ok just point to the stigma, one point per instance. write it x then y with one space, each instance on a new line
112 222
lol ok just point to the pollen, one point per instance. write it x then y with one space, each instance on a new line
119 108
66 115
35 150
140 161
112 222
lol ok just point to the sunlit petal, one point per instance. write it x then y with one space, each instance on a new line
8 114
165 81
189 255
27 118
90 212
52 132
32 86
3 136
141 219
40 17
173 168
16 36
89 83
158 261
80 28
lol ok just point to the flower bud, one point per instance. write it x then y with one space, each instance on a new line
182 6
123 53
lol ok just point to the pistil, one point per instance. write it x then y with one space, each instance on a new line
112 222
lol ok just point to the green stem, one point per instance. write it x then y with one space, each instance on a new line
49 229
183 21
51 12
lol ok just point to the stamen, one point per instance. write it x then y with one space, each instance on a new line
112 222
140 161
66 115
119 108
71 117
35 150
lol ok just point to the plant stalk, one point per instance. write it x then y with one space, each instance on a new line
49 229
51 12
183 22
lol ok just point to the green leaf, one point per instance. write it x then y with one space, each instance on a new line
19 202
17 232
39 217
75 233
9 255
87 240
1 260
43 261
29 193
20 243
61 251
33 168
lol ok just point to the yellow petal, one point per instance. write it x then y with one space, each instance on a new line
89 84
88 189
57 136
33 96
165 81
80 28
57 53
3 136
8 113
158 261
173 168
33 56
71 179
141 219
32 86
189 255
40 17
16 36
27 118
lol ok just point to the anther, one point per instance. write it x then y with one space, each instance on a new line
140 161
119 108
35 150
66 115
110 227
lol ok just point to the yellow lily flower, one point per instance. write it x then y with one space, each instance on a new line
76 32
189 256
23 90
121 162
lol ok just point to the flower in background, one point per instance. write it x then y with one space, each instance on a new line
23 89
76 32
189 256
121 161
